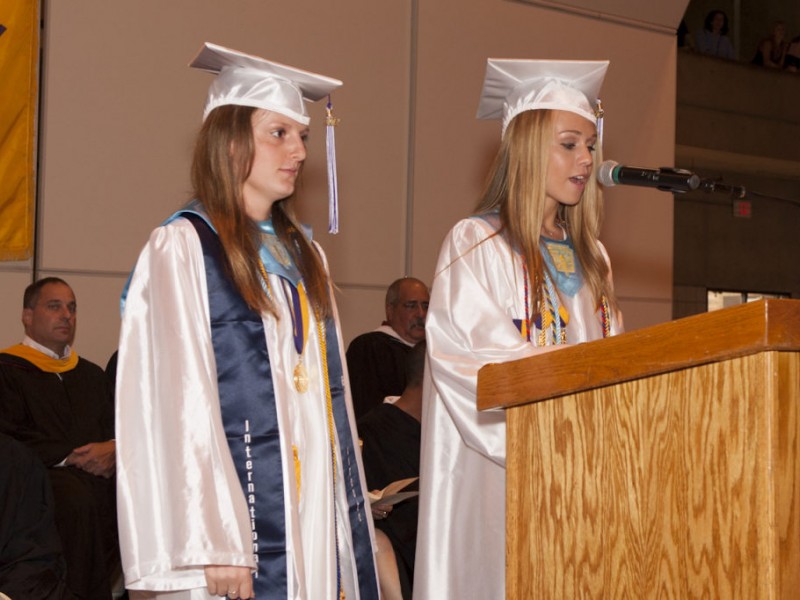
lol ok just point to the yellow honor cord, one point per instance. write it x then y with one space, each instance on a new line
323 350
331 428
297 472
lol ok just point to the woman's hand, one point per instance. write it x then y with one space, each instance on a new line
233 582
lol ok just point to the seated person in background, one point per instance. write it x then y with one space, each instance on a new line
791 61
390 433
772 49
60 406
31 564
713 39
376 360
111 372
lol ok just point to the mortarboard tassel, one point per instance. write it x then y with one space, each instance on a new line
599 113
333 184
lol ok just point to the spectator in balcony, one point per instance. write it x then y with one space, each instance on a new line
772 49
713 38
792 60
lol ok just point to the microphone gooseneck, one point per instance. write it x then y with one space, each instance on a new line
611 173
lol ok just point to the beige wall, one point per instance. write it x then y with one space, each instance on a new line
120 110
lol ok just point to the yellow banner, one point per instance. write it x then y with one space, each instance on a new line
19 66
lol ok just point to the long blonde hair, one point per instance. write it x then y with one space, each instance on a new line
516 188
223 158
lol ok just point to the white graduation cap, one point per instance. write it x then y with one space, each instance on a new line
247 80
513 86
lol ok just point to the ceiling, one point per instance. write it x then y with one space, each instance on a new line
662 15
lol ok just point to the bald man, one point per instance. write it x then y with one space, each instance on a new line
376 360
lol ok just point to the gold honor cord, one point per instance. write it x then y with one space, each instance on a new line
323 349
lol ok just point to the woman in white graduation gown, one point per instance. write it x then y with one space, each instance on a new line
238 466
523 275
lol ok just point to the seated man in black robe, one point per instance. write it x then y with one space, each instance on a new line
390 434
376 360
61 407
31 563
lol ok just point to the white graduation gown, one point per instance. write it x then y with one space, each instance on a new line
180 502
476 294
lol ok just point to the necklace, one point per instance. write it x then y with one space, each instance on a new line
554 234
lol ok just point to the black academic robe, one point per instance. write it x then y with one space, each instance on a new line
376 365
31 563
52 414
390 452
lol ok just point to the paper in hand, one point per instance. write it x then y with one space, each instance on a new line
392 493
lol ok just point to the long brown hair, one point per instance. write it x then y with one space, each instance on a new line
516 188
223 158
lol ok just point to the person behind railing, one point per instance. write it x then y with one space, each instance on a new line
791 61
713 38
772 49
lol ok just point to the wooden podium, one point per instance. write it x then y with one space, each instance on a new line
661 463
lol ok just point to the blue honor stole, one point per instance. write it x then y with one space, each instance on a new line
357 508
249 414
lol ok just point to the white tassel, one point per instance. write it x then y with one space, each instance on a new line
333 183
599 113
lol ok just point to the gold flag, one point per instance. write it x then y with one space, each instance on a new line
19 65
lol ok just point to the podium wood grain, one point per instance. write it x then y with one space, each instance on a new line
666 472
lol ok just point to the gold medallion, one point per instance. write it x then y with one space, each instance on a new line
300 378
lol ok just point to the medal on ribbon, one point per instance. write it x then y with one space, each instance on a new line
298 305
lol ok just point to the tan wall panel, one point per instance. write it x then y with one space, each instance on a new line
643 313
121 115
658 15
360 306
13 284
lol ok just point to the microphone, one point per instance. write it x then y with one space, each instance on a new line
735 191
611 173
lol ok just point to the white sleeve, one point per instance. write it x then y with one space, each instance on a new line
476 294
180 503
